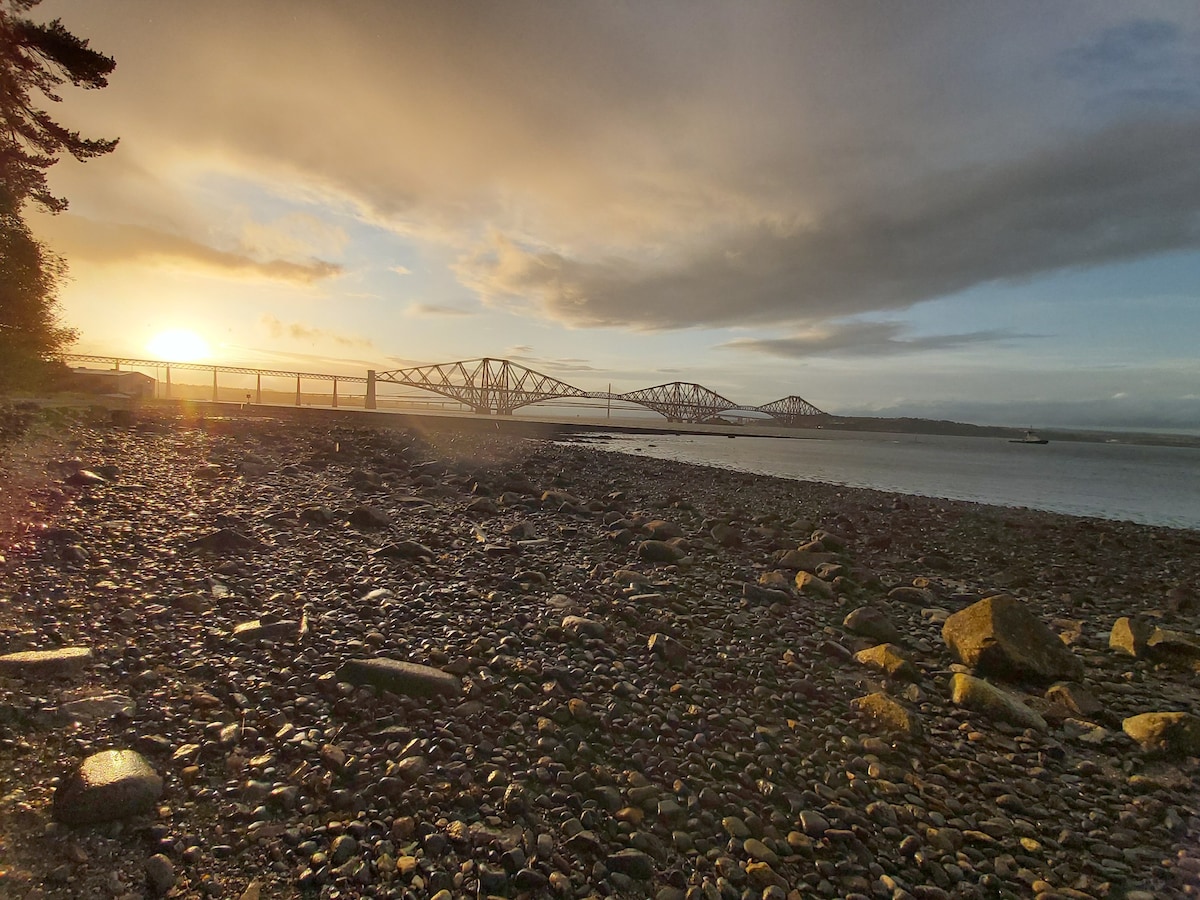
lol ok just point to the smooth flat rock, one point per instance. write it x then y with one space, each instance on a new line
85 478
404 550
109 785
803 560
871 623
404 678
662 530
100 706
265 630
981 696
659 551
222 540
45 663
1000 636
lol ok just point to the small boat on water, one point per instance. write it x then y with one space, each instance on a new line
1030 438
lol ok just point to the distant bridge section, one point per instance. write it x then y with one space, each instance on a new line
790 410
680 401
488 386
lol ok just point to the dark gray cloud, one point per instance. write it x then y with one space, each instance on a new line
1138 65
862 339
1130 191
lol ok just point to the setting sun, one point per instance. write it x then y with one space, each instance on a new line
178 345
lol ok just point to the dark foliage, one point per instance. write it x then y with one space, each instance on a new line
35 60
38 59
29 326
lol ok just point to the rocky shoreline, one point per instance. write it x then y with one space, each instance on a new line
621 677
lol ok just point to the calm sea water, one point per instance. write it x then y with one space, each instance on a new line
1150 485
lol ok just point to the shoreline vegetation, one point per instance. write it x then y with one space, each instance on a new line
286 655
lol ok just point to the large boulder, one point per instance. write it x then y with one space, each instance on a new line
1000 636
1142 639
982 697
109 785
1167 733
1174 646
1130 636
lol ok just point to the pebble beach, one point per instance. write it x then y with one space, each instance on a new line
242 657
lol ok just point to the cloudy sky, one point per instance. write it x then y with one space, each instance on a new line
974 210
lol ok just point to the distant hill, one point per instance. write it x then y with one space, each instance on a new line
964 429
917 426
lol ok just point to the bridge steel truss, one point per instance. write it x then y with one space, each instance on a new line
790 410
488 386
498 387
680 401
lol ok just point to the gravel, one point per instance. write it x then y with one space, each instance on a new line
381 663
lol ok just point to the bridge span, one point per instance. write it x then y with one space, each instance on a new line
491 386
499 386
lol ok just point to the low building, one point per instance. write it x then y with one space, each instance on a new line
114 382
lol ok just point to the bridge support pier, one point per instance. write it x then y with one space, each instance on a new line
297 390
214 384
258 389
335 393
168 382
369 402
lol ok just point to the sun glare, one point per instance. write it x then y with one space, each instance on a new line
177 345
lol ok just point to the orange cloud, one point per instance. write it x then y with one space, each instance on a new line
77 238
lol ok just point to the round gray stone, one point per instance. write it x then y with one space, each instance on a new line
109 785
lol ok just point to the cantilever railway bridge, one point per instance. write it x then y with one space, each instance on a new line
499 387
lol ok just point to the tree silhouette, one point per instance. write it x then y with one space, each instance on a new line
35 61
41 58
30 330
